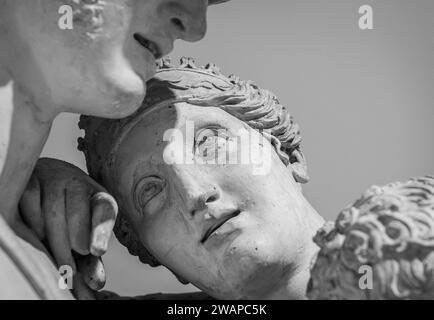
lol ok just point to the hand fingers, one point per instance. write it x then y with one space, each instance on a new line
81 290
53 207
30 207
92 270
104 211
78 217
106 295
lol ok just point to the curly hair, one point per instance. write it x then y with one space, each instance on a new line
206 87
390 229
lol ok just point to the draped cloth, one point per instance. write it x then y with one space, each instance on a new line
26 272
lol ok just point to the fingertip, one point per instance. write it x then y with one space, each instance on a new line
104 211
92 271
81 290
82 251
100 238
107 202
97 251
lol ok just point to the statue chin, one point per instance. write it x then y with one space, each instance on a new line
126 91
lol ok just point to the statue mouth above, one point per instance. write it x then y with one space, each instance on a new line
149 45
217 228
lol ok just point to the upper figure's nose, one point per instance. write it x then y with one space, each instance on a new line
186 18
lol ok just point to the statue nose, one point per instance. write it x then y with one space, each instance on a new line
198 188
203 199
207 197
187 18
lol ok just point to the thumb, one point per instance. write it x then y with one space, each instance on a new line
91 269
104 211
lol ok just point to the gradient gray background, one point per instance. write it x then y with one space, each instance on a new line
364 99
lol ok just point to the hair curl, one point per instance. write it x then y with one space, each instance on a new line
391 230
205 87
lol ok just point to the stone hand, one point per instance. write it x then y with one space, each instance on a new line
74 217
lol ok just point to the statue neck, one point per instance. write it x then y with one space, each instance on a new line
24 123
294 284
294 287
23 133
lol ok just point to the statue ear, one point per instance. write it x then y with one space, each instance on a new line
127 237
298 165
293 158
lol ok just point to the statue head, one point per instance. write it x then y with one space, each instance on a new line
381 247
230 230
101 65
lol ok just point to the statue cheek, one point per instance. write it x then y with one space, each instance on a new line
93 20
174 152
87 16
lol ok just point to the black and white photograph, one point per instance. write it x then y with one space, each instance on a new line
208 153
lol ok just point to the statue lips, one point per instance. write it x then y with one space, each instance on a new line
149 45
220 227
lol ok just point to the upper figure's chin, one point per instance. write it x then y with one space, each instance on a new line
126 91
126 103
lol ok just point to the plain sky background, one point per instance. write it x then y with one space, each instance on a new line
363 99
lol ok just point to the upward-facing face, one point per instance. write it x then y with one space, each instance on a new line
100 66
227 230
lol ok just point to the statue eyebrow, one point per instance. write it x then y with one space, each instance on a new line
213 127
151 170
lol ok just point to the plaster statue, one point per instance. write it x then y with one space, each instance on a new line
236 234
232 233
99 68
388 235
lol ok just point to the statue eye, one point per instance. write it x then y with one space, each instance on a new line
146 189
209 141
